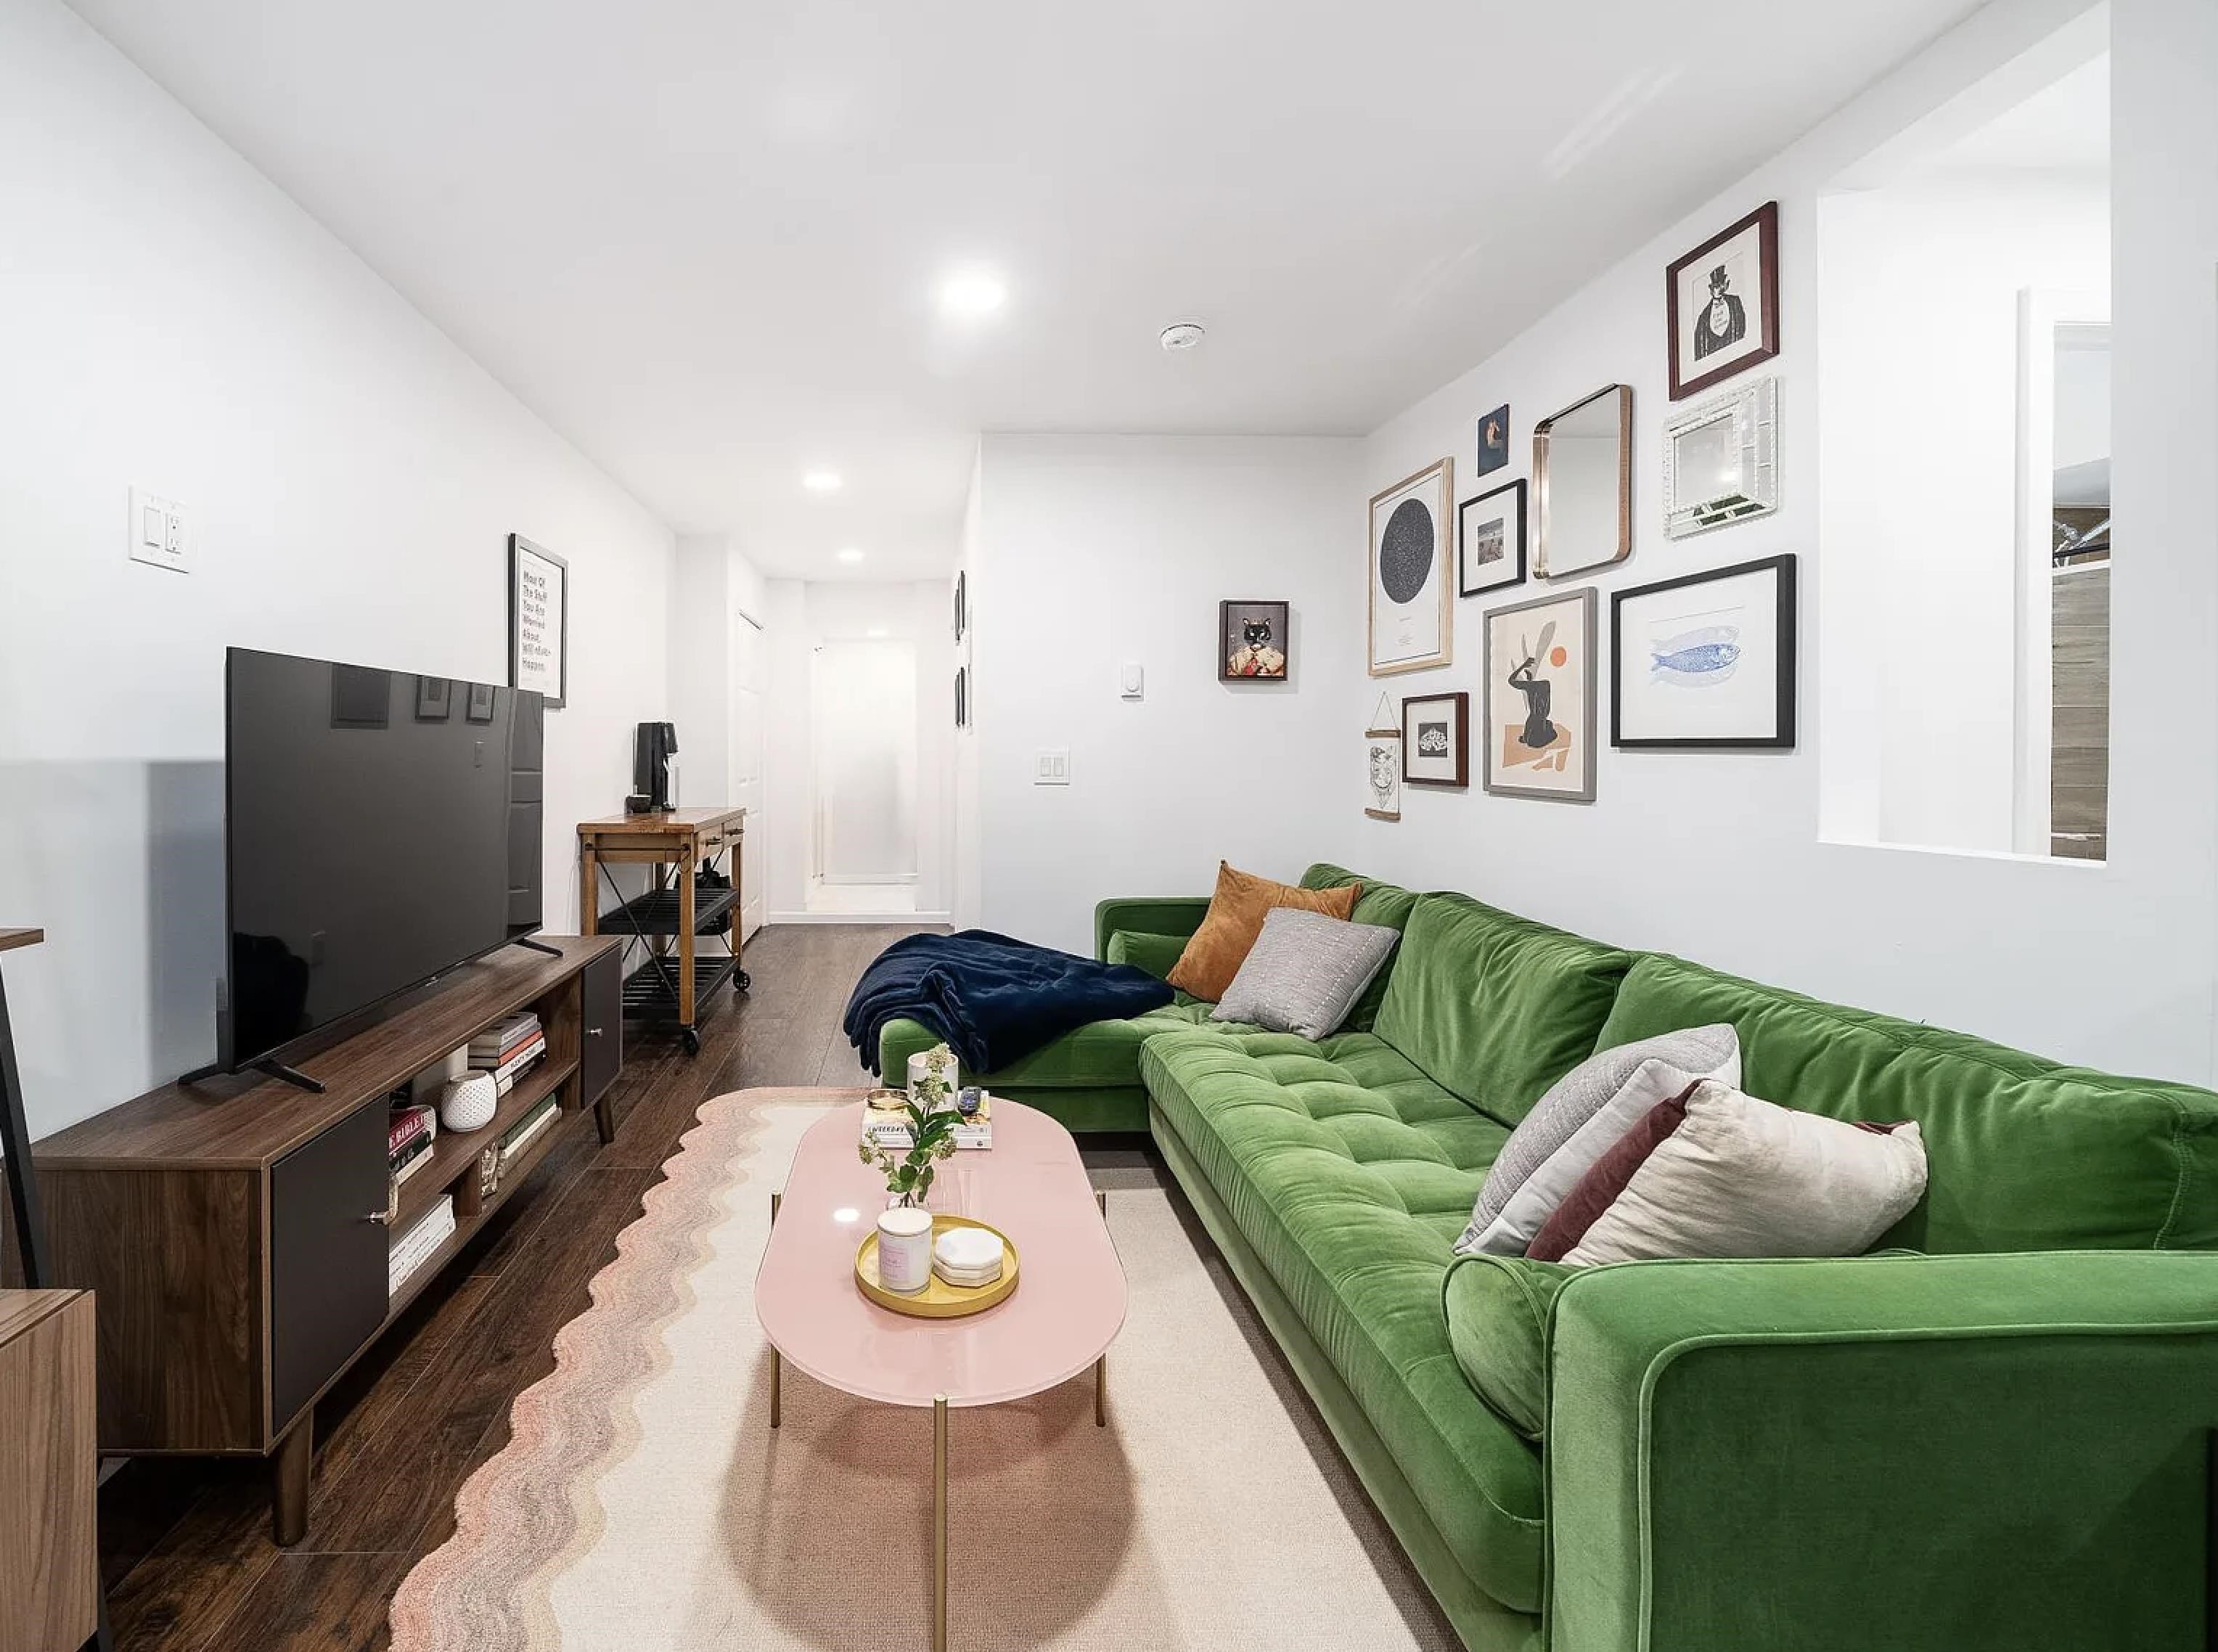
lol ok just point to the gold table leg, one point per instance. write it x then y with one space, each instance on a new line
939 1523
776 1406
1101 1366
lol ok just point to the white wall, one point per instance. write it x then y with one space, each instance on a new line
1719 856
168 318
1921 478
804 614
1094 550
968 869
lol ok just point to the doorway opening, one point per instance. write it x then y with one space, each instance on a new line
863 759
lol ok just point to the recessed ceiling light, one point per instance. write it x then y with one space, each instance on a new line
968 294
850 555
1182 334
821 481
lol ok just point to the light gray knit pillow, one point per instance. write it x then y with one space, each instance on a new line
1305 972
1581 1118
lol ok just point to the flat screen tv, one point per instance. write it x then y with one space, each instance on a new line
381 828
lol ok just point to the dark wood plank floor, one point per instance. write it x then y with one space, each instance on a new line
185 1545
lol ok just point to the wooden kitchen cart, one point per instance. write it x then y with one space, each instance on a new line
675 979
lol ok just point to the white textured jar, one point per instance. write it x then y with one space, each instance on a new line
905 1250
918 1071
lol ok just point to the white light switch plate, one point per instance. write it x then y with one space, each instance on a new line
1052 768
1132 680
157 534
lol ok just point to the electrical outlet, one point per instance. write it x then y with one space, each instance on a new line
157 533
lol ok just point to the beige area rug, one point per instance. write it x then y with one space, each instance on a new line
644 1503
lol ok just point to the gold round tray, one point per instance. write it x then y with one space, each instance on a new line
938 1300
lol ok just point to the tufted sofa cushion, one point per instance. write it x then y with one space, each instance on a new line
1351 1174
1494 1006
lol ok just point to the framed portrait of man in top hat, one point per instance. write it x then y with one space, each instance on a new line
1724 303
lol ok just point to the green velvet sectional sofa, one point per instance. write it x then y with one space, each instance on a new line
1996 1434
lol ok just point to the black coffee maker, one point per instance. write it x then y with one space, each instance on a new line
650 776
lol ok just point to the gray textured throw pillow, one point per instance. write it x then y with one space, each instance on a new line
1305 972
1581 1118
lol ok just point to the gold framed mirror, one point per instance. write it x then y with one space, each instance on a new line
1583 484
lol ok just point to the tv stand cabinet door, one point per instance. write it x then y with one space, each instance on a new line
328 1247
601 1057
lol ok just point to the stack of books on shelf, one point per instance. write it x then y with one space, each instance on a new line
517 1140
509 1050
408 1139
412 1249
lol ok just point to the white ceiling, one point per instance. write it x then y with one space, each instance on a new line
703 238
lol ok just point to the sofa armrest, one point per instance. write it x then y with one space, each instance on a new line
1915 1453
1174 914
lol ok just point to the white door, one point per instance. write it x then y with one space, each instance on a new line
750 687
864 756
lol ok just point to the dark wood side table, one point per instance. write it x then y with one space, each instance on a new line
49 1473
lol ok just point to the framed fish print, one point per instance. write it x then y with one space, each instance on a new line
1410 613
1722 299
1705 662
1538 711
1382 753
1436 739
1490 540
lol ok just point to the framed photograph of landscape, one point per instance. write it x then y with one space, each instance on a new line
1436 739
1722 303
1411 615
1382 753
1490 540
1538 710
1705 662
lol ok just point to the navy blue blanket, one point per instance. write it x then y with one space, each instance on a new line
992 999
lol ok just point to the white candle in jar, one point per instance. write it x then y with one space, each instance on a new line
905 1250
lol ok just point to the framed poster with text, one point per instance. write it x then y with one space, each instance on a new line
538 620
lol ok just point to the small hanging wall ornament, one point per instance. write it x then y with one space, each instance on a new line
1382 744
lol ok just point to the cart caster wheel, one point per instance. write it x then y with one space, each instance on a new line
690 1038
741 981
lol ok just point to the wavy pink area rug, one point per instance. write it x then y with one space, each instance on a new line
644 1502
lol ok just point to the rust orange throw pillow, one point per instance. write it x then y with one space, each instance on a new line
1235 919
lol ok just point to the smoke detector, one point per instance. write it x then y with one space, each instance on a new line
1182 334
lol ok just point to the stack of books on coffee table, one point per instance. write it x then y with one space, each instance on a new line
885 1122
509 1050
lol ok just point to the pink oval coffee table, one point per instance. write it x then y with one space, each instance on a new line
1065 1312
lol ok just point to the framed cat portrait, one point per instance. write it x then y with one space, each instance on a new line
1252 644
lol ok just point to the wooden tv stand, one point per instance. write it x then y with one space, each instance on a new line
235 1232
